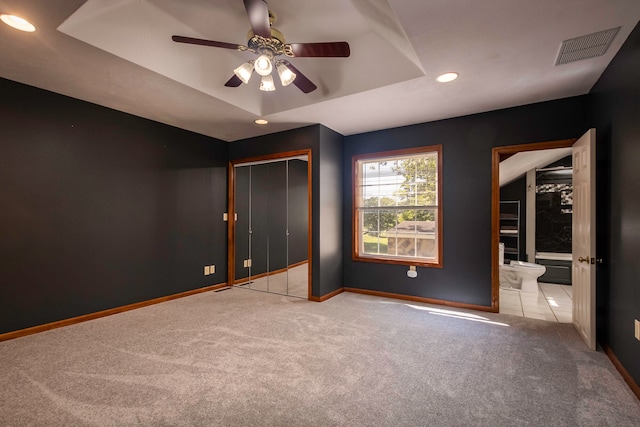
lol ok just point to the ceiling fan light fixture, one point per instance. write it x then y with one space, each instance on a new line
244 71
267 84
263 65
268 44
286 75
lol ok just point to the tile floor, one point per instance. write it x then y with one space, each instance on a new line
552 303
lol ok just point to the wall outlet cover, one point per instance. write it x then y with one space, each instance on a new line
212 269
637 329
206 270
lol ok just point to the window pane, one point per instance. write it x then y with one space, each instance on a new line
370 195
388 231
370 221
426 233
379 172
374 244
370 173
387 195
429 198
414 235
403 243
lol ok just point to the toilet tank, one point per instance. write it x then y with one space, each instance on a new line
500 253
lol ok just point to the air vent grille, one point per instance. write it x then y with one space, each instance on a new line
586 47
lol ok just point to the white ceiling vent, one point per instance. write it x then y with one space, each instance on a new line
585 47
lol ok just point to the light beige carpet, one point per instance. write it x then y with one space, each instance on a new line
245 358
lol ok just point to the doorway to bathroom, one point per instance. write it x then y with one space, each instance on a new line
574 258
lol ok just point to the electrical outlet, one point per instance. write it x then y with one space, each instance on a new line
412 272
637 329
225 217
249 262
245 263
212 269
206 270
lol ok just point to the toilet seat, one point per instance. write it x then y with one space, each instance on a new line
524 264
519 275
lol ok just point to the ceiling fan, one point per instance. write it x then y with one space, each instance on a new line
269 44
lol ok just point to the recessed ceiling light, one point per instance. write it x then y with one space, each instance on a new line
18 23
447 77
261 121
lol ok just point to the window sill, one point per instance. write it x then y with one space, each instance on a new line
399 261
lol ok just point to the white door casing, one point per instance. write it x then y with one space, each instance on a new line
584 238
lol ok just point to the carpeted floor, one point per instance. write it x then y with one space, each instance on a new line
245 358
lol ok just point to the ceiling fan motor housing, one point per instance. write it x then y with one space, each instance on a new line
276 43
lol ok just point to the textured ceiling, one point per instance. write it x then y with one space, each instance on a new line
119 53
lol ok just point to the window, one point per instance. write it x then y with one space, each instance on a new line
397 216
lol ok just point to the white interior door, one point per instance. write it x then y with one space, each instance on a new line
584 238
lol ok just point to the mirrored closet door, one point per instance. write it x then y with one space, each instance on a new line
272 226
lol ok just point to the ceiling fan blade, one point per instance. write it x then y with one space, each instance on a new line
301 81
233 81
203 42
258 13
329 49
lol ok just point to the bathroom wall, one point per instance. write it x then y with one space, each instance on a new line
553 209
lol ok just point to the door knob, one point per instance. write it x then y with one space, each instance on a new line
583 259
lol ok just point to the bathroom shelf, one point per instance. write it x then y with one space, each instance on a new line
510 228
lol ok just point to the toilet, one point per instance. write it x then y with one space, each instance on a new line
519 275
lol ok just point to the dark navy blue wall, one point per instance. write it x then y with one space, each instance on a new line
326 190
101 209
466 201
616 101
330 206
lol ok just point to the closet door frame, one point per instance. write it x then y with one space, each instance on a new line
231 223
